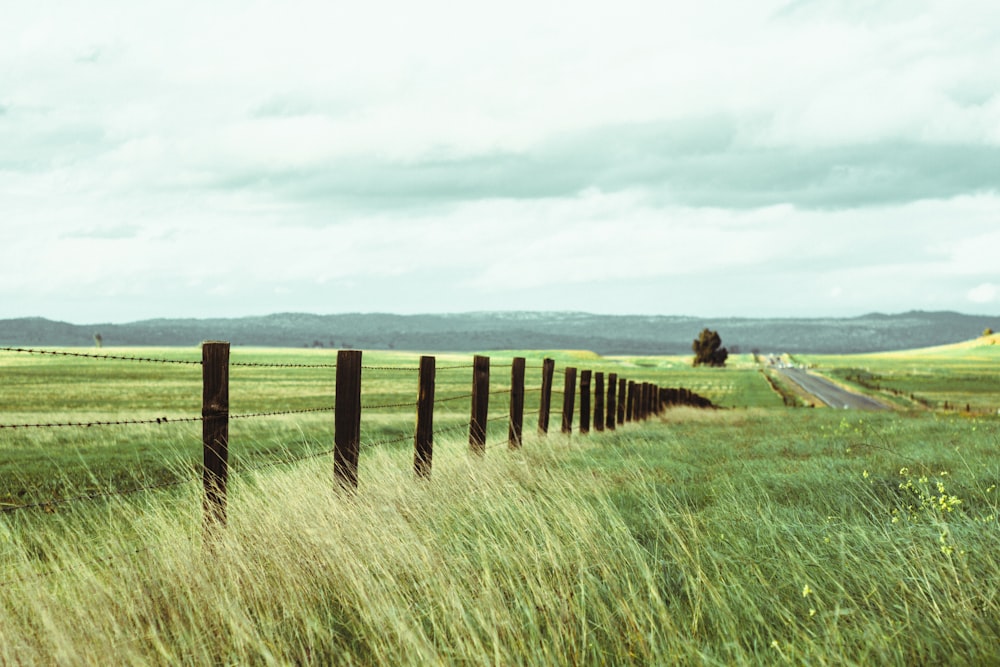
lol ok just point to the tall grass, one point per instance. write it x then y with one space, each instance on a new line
742 537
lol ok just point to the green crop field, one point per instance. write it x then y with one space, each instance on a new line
751 534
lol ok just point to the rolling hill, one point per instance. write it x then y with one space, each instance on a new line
605 334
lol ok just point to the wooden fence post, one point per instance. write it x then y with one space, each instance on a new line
622 384
215 431
630 407
585 377
612 401
423 439
598 402
569 398
545 402
347 419
516 428
480 404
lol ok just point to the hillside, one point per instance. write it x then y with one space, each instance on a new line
605 334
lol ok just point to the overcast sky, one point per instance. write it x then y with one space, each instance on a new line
724 157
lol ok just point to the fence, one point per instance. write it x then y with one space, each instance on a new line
616 400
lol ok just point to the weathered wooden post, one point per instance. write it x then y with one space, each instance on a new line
215 431
598 402
622 384
347 419
545 402
423 439
585 377
630 407
516 427
569 399
612 401
480 404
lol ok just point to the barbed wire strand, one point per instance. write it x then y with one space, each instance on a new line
452 398
123 422
90 355
254 364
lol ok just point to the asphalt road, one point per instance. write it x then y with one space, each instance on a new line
829 393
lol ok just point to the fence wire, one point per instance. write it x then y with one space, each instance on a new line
90 355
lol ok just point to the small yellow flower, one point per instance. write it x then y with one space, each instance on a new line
812 612
865 474
806 591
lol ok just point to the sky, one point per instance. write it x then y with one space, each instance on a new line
720 158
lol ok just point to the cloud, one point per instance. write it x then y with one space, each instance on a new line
985 293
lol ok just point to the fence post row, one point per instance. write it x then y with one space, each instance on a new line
545 402
215 431
516 427
569 396
480 404
423 438
585 377
347 419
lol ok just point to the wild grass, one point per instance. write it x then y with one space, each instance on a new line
742 536
679 542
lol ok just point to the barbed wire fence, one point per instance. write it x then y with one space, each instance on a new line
626 401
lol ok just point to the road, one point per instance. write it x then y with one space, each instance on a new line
829 393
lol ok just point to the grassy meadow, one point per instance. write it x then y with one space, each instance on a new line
753 534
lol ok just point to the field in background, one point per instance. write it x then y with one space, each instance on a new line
960 377
756 534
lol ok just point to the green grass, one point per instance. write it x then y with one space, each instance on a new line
752 535
962 375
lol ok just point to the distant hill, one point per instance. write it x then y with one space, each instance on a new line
604 334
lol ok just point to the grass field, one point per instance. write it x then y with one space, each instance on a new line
755 534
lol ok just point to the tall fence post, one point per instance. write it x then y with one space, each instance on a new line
423 439
630 406
612 401
569 398
480 404
516 428
622 384
215 431
545 401
585 377
599 401
347 419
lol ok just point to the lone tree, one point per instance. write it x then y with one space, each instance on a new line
708 350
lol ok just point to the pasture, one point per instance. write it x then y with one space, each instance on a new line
755 534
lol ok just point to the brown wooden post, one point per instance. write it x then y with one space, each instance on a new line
598 402
545 402
630 407
585 377
480 404
569 398
516 427
612 401
622 388
215 431
347 419
423 439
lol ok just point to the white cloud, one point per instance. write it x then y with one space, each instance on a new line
985 293
164 149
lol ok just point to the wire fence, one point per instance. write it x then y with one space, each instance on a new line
477 427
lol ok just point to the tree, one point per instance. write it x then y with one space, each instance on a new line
987 332
708 350
98 340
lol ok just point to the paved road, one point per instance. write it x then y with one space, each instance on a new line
829 393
